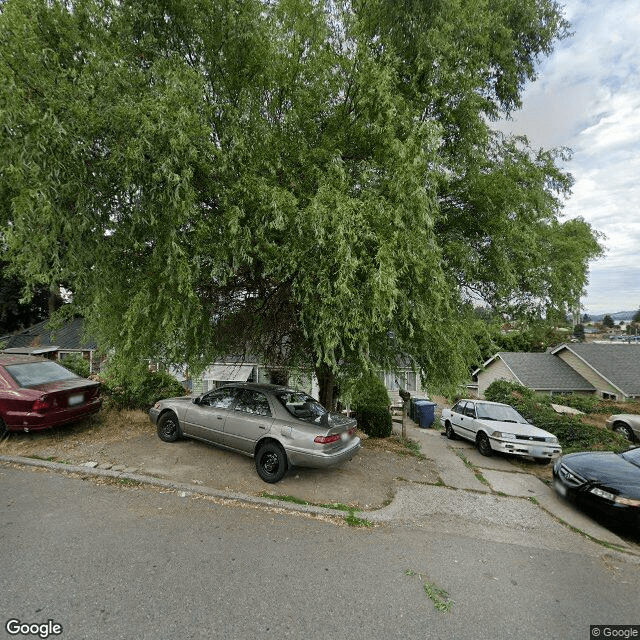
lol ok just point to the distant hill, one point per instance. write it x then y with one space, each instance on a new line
627 316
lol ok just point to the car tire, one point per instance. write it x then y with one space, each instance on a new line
169 427
451 434
624 430
3 429
271 462
483 444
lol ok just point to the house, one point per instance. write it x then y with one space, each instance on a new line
607 370
68 339
55 344
249 369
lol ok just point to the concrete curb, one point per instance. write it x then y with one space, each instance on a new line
175 486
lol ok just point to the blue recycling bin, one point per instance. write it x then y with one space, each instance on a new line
425 413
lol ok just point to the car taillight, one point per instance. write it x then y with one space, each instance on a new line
352 431
42 404
327 439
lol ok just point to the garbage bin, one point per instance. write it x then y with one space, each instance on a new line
414 409
426 413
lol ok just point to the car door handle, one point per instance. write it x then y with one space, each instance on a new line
219 418
261 426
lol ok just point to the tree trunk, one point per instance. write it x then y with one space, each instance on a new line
326 381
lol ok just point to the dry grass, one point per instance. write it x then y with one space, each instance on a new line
106 427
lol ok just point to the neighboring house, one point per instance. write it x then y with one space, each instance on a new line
607 370
53 344
613 369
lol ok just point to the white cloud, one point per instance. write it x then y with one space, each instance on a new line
587 97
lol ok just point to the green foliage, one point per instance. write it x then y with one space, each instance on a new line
578 332
137 388
607 321
572 433
76 363
367 390
376 422
586 404
313 182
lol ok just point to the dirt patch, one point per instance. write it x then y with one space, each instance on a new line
128 439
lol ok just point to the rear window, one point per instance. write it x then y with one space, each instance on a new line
31 374
301 406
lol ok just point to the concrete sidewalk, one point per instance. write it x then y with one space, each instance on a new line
503 478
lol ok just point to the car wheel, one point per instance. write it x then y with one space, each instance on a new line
624 430
483 444
451 434
3 429
168 427
271 462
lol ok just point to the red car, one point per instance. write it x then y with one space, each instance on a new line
36 393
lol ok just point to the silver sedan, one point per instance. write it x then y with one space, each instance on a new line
627 424
278 426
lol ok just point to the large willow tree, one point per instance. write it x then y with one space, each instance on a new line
313 181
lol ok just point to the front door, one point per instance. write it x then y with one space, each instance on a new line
250 419
206 419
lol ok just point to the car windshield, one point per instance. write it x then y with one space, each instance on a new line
301 406
632 456
31 374
501 412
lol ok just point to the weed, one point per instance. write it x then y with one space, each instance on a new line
413 448
37 457
481 478
338 506
534 500
128 482
353 521
291 499
437 595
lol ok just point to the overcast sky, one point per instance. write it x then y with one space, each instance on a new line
587 98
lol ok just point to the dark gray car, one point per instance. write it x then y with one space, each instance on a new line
278 426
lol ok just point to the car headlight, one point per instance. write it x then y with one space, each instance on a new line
551 440
504 436
602 494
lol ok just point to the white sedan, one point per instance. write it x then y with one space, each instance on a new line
499 427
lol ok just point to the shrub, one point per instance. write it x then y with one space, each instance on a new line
368 391
76 363
137 388
573 434
376 422
586 404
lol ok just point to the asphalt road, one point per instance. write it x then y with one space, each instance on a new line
112 561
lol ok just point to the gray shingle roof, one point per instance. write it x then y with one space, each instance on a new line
544 372
69 336
618 363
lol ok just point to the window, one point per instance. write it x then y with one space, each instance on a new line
253 402
220 398
31 374
459 407
301 406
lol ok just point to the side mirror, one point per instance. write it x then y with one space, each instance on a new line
197 400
